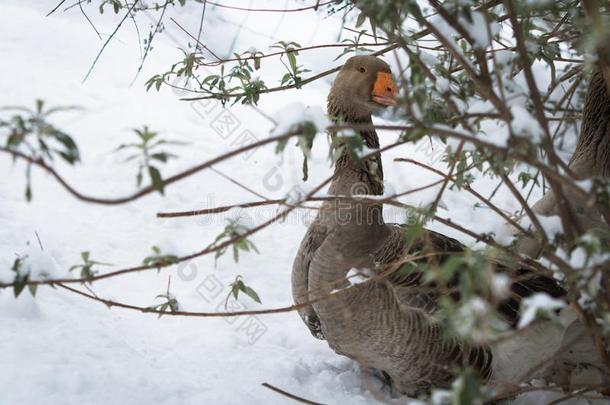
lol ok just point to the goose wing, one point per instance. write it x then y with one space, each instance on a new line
315 235
435 248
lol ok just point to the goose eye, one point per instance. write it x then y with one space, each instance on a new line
362 69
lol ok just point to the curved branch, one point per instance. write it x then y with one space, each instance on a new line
149 189
158 266
289 308
207 250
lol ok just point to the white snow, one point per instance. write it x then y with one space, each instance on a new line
450 34
358 276
366 152
295 114
442 85
468 316
579 258
500 286
62 348
295 195
538 302
478 29
40 265
427 58
524 124
504 57
550 224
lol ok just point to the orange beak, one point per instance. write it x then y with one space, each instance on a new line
384 90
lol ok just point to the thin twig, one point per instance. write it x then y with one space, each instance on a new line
273 10
150 41
289 395
56 7
39 242
286 87
116 29
80 5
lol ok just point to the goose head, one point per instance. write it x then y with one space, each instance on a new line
364 85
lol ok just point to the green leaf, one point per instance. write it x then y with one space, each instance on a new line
19 284
467 390
17 264
252 294
162 156
71 159
238 285
28 192
155 178
293 61
361 19
162 309
21 280
286 78
33 288
158 258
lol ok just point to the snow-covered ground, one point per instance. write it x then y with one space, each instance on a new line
61 348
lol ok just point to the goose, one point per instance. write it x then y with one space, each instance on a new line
386 324
590 158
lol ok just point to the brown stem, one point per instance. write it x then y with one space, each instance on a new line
289 395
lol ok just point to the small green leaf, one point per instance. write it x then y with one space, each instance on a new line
161 156
158 258
19 285
238 286
361 19
293 61
28 192
33 288
252 294
155 178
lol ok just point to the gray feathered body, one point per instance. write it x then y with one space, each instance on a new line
386 324
591 158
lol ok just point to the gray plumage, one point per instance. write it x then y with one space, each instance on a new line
385 324
591 158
